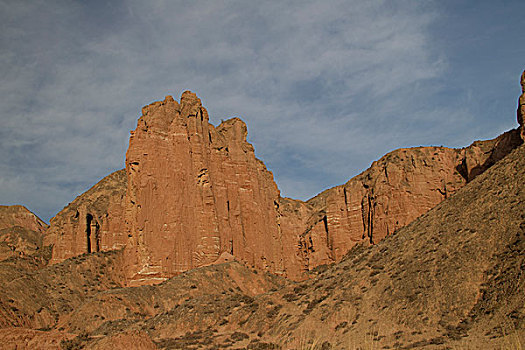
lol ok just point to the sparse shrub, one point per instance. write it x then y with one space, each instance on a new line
341 325
274 311
326 346
75 343
239 336
290 297
247 299
256 345
299 289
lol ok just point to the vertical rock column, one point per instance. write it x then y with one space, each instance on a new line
196 191
521 106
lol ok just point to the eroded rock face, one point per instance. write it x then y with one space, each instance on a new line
192 192
196 191
93 222
521 106
18 215
392 193
216 197
21 231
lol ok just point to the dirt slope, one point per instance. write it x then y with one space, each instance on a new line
451 279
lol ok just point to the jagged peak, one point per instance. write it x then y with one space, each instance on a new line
152 107
189 97
235 130
191 106
168 98
161 114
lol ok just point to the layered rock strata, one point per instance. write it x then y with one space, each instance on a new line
195 191
18 215
393 192
93 222
192 191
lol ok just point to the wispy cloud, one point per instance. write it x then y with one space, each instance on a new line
325 87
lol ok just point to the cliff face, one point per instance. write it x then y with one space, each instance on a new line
191 192
93 222
392 193
195 191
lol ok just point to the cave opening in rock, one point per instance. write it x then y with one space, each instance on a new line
89 218
92 234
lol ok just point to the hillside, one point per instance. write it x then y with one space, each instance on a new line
192 247
451 279
21 232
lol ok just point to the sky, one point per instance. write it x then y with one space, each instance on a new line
325 87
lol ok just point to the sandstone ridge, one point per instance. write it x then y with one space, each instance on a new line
93 222
192 191
426 250
21 232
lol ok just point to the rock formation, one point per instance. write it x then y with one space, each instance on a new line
21 231
521 106
393 192
192 191
18 215
196 191
453 278
217 197
93 222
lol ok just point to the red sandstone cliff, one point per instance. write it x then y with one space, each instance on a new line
393 192
93 222
192 191
195 191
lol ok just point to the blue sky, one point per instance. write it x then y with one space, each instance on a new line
325 87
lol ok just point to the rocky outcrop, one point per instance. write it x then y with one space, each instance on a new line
521 106
216 197
93 222
392 193
192 192
21 232
18 215
196 191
